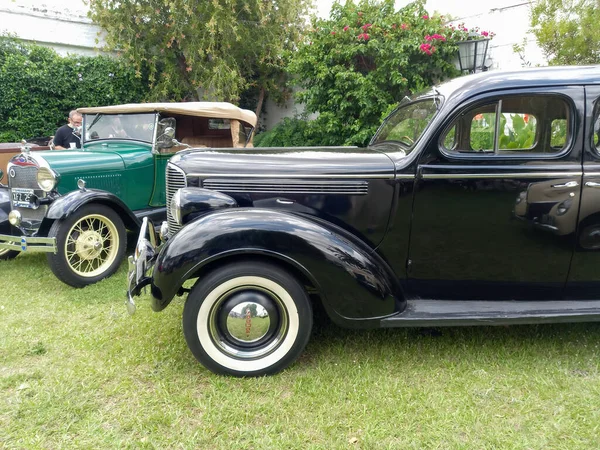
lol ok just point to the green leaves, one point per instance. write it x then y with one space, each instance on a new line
38 88
567 31
204 49
366 57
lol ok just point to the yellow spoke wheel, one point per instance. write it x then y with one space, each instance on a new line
91 244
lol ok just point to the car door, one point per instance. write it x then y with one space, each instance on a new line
496 198
584 276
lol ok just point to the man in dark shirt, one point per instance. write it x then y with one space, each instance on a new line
69 135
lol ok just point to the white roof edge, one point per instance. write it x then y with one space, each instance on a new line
218 110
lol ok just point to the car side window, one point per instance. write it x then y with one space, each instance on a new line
596 135
528 124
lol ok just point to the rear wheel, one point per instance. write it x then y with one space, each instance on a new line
247 319
91 244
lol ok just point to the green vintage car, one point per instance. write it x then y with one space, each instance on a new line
76 205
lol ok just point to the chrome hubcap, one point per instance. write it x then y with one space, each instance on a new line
248 322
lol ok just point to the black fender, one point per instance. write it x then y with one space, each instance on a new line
64 206
354 283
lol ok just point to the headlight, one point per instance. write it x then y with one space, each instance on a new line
46 179
176 207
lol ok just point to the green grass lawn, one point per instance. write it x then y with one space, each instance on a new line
77 372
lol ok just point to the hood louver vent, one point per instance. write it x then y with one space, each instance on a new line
349 187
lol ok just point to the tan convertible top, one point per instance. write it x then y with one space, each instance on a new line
217 110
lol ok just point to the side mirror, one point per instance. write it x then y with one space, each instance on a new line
169 132
167 138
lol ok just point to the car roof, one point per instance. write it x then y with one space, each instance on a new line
525 77
216 110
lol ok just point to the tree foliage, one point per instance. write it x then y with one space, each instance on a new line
567 30
38 87
357 65
208 49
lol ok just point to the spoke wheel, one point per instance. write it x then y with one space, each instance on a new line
90 244
6 254
247 319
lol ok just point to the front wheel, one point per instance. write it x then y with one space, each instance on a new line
247 319
91 244
6 254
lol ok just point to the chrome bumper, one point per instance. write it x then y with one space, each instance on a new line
141 263
27 243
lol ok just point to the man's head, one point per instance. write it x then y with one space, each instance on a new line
75 119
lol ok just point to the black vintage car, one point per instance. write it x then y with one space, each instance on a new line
475 203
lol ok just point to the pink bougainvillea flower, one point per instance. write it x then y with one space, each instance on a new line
428 49
366 26
439 37
404 26
346 28
428 38
333 32
426 17
363 37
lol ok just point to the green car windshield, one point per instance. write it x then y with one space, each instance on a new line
139 127
406 124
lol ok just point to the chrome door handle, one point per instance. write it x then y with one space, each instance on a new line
567 185
592 184
284 202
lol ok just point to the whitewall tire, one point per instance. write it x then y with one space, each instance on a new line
247 319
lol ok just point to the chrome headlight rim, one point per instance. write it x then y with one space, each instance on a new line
47 179
175 207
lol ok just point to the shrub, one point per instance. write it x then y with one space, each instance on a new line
356 65
38 87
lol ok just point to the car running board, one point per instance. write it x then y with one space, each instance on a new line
428 313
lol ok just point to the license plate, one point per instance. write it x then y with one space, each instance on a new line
23 198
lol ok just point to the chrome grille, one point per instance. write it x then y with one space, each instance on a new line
26 177
175 180
350 187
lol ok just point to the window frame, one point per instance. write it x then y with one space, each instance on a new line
493 98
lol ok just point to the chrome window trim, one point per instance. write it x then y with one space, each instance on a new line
290 175
447 176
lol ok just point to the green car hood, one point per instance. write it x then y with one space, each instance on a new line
101 166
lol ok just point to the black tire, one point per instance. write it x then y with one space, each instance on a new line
220 310
6 254
91 244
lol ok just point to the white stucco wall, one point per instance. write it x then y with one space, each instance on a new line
67 29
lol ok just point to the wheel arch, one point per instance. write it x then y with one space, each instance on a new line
356 289
66 205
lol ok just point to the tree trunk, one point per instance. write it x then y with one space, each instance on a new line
261 99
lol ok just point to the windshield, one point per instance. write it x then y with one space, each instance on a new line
139 127
406 124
